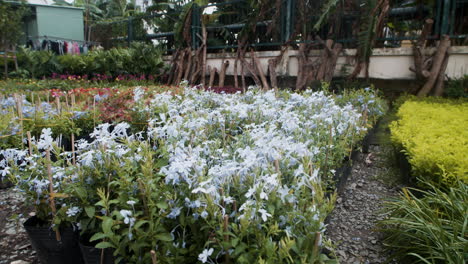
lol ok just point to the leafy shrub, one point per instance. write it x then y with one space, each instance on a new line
433 135
431 229
140 58
37 64
457 88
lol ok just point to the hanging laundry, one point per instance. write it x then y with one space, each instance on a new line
69 48
76 48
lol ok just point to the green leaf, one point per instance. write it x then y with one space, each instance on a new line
104 245
140 223
81 192
90 210
107 225
164 237
97 236
162 205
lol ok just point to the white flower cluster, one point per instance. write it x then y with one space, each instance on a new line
250 148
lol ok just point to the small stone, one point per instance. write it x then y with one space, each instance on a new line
341 253
10 231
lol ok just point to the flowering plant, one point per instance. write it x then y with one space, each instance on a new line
42 178
245 179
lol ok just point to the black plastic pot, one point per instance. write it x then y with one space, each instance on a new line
48 249
5 183
92 255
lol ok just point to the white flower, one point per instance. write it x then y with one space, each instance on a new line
46 140
264 214
72 211
131 203
203 257
174 212
126 214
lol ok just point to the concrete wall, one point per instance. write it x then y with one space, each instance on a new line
60 22
386 63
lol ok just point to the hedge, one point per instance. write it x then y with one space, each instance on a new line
433 134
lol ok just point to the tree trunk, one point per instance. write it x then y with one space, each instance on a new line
260 71
332 62
222 74
212 76
272 70
420 62
436 66
439 87
189 64
203 71
301 60
252 71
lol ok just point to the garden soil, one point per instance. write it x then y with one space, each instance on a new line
351 226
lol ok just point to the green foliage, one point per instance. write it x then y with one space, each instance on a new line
367 30
457 88
433 135
431 229
38 63
11 16
140 58
327 8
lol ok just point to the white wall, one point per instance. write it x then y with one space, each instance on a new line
386 63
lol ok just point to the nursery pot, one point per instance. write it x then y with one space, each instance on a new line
5 183
92 255
48 249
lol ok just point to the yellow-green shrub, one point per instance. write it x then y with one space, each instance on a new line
434 135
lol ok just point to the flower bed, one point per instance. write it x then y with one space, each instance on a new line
433 135
215 177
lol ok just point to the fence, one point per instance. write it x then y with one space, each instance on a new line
281 23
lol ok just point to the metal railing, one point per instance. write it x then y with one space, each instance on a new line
403 23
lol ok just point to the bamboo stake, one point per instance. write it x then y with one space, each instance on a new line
29 142
57 101
94 112
154 258
73 100
226 237
51 192
73 148
317 244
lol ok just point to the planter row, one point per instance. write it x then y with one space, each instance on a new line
68 250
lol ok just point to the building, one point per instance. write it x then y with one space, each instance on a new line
53 22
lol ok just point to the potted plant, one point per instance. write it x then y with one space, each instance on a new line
41 172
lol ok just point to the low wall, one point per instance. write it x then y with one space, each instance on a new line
385 63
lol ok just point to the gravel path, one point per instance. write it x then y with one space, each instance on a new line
352 224
15 247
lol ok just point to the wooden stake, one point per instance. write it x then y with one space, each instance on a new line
51 192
